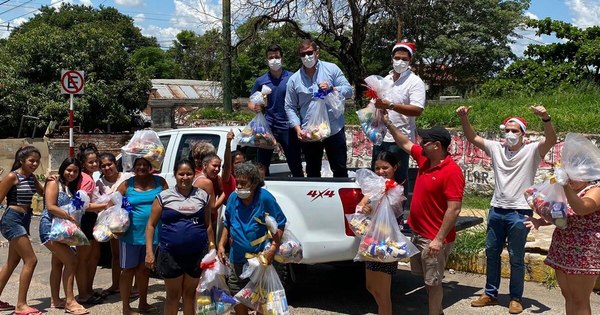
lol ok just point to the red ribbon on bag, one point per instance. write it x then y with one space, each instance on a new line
208 265
389 184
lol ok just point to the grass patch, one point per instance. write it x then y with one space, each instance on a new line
469 243
476 201
550 281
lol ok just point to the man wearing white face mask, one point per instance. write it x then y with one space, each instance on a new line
514 164
301 87
404 103
277 79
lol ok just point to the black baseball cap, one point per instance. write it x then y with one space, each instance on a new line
436 133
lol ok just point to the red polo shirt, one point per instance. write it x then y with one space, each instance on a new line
434 187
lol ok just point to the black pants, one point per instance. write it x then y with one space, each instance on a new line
335 147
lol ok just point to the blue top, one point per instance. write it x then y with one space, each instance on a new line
275 113
182 230
243 228
63 199
141 201
300 90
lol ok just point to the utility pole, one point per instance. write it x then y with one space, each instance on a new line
227 106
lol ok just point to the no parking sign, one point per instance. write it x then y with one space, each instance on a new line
71 82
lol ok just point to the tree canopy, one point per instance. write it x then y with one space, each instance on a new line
97 41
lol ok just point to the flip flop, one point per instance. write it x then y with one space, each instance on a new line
150 310
134 295
60 305
110 292
77 311
5 306
92 300
30 311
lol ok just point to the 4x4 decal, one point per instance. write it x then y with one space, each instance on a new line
320 194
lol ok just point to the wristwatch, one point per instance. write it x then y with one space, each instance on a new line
547 119
391 106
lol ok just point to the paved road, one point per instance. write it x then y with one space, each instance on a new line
324 290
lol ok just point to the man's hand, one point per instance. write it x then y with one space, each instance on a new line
540 111
254 107
324 86
532 223
434 247
385 118
230 135
299 133
462 111
382 103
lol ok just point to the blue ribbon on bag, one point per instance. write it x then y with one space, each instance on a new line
77 202
126 205
320 93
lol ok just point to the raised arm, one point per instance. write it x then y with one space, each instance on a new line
549 140
226 176
590 203
401 139
463 114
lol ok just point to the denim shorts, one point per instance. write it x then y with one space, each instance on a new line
45 226
14 223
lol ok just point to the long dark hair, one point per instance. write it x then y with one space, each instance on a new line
85 150
61 173
389 157
22 154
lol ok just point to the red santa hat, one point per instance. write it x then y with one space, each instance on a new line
411 47
520 121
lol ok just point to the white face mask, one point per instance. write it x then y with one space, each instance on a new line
275 64
400 66
309 61
243 193
511 138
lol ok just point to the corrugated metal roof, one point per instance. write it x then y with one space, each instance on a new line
185 89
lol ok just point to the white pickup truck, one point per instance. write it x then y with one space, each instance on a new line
315 207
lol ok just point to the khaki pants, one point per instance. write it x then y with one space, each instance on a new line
430 268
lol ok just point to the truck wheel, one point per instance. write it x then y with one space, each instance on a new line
289 274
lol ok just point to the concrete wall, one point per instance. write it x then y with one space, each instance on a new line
9 147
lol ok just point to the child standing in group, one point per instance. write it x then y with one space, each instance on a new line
18 187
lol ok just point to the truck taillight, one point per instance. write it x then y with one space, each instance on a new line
350 197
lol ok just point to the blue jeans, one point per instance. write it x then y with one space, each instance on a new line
503 224
290 144
15 223
335 147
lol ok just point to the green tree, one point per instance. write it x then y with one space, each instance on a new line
155 63
199 56
571 62
97 41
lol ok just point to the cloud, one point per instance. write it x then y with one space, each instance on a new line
129 3
197 15
585 13
58 3
139 18
87 3
164 35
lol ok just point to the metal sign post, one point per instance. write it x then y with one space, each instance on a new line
71 82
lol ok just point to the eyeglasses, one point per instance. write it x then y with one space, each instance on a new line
306 53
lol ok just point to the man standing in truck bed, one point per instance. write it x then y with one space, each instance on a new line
435 206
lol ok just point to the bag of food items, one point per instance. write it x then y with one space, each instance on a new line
66 231
212 294
264 293
144 144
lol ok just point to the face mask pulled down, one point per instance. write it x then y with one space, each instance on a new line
243 193
309 61
275 64
400 66
511 138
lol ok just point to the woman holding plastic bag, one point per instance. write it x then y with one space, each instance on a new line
212 295
185 235
382 194
575 250
59 193
244 224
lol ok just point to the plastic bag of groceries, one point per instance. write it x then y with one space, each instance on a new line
579 160
290 249
382 241
257 134
113 220
548 200
378 87
264 293
317 126
67 232
371 123
212 294
333 100
260 97
144 144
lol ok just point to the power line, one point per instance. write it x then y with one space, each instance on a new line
4 2
22 15
20 5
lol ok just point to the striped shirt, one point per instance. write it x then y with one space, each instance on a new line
22 192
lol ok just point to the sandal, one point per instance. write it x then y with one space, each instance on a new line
77 311
60 305
5 306
108 292
31 311
92 300
150 310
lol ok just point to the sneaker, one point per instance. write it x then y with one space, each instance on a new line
484 300
515 307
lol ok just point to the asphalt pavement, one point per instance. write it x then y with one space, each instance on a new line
323 290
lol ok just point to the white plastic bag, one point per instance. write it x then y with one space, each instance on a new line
145 144
371 123
260 97
378 87
336 103
548 200
67 232
580 158
212 294
257 134
264 293
290 249
113 220
317 126
359 222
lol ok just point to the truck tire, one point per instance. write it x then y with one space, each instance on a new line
290 274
